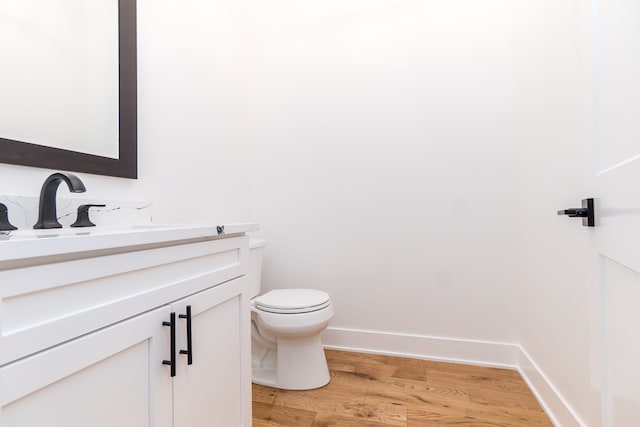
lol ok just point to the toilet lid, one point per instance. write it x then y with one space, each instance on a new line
292 301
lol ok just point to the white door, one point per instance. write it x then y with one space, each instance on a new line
213 389
112 377
616 129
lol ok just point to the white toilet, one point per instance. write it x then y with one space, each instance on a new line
286 351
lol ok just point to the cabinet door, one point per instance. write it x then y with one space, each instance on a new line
112 377
214 389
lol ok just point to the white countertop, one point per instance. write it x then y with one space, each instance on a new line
23 244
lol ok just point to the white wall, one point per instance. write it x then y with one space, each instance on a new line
385 171
192 109
557 278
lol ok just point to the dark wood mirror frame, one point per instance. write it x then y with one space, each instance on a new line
126 165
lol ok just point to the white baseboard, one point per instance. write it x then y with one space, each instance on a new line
453 350
556 407
469 352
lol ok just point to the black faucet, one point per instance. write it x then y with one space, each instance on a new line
47 211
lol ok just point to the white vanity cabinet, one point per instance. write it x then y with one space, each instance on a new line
85 338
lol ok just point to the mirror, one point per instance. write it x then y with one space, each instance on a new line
69 87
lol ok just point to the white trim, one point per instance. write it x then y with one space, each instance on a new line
470 352
455 350
553 403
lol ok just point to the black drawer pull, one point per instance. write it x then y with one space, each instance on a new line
189 350
172 325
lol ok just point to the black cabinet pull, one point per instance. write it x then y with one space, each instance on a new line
172 325
189 350
586 212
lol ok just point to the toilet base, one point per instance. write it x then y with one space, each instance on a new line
264 376
296 364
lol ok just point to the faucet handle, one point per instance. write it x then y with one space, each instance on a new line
5 225
83 216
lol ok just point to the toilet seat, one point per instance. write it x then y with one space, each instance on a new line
292 301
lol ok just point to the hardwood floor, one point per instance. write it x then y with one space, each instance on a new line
373 390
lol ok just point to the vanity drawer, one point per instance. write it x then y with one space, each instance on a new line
43 305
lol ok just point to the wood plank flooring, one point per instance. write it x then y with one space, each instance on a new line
378 391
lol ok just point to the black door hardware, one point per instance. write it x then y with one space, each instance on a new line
172 362
189 350
586 212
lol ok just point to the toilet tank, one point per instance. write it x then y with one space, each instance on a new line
256 249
